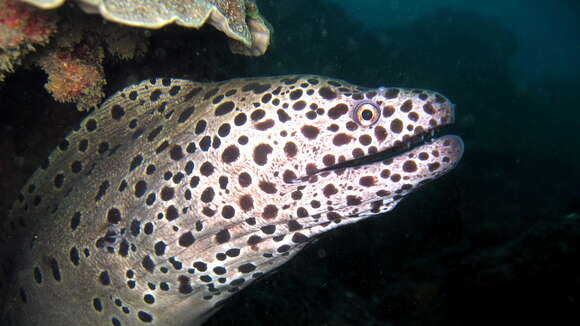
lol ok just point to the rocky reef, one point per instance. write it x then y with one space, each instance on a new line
70 46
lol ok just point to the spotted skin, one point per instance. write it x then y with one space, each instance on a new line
175 194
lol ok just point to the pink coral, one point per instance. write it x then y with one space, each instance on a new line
26 23
22 29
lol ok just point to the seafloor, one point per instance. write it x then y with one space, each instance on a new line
496 241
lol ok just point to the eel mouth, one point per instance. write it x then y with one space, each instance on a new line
399 148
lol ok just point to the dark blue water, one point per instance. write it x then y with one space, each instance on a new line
546 32
497 241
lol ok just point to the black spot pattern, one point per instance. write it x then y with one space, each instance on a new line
200 127
244 179
265 125
257 115
341 139
240 119
246 198
268 229
76 167
104 278
224 130
282 115
167 193
185 114
223 236
310 132
337 111
396 126
257 88
267 187
206 169
230 154
270 211
148 264
140 188
228 211
290 149
225 108
102 190
223 182
205 143
144 316
295 94
75 221
298 106
186 239
234 252
171 213
247 268
299 238
246 202
75 256
91 125
155 95
97 304
83 145
176 153
392 93
135 228
117 112
200 266
261 153
154 133
149 299
293 225
207 195
327 93
114 216
160 248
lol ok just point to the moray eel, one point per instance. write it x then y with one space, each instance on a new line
175 194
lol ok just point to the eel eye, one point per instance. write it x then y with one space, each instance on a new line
366 114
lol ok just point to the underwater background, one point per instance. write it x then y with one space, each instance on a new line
496 241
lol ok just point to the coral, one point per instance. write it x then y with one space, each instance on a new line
260 30
122 42
75 75
22 29
73 61
238 19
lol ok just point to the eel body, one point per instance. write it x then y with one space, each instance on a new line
174 194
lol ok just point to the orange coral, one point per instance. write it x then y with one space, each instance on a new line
74 59
75 75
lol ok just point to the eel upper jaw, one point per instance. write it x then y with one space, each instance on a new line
398 148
